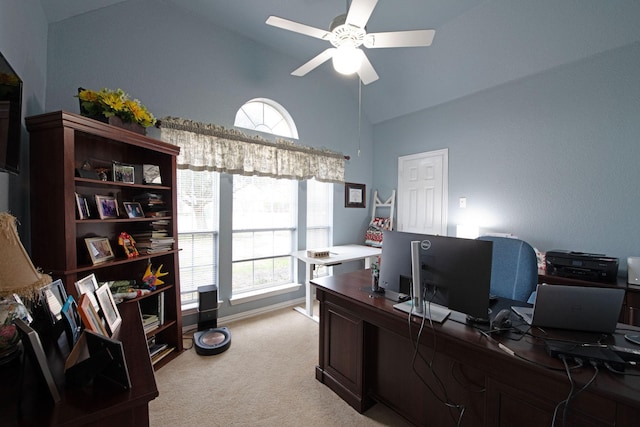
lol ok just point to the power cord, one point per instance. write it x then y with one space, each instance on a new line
429 363
571 394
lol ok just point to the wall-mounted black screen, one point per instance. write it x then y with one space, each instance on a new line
10 117
455 273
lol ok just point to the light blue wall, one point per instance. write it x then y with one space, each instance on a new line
179 65
23 42
553 158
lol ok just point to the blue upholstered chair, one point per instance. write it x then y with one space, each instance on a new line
514 268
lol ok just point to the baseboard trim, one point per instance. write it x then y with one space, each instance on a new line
251 313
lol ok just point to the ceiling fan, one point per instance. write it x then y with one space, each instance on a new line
347 33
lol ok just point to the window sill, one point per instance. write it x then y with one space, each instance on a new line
263 293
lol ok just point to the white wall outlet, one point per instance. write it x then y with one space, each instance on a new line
463 202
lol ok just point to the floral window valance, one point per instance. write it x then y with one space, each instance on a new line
211 147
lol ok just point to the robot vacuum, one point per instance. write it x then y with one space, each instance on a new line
210 339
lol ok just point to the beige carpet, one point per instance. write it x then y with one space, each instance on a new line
266 378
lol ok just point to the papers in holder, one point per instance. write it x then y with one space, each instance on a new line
432 311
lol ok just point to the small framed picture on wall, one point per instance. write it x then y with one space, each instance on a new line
354 195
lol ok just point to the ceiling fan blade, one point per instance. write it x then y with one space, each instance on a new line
297 27
314 62
359 12
366 72
413 38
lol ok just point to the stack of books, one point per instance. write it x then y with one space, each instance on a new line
150 322
157 351
152 204
150 242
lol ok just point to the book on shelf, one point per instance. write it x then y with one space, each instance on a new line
150 322
157 348
152 308
161 355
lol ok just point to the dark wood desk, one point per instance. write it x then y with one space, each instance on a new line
96 405
366 352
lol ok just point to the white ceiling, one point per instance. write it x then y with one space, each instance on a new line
478 44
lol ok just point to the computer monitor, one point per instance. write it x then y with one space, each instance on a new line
454 272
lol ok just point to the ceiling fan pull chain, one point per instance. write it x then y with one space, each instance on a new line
359 110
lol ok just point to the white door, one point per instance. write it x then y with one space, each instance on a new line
423 181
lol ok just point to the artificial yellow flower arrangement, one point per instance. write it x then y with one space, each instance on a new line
107 103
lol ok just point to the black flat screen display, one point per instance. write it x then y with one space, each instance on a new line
455 272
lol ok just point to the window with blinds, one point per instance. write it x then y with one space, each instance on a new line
319 219
264 231
197 231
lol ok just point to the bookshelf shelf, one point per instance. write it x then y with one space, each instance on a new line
61 143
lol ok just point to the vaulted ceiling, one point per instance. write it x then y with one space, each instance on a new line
478 44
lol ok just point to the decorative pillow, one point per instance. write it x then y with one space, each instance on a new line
373 236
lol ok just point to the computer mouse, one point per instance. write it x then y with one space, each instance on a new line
502 320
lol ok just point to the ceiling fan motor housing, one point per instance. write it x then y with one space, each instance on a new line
342 33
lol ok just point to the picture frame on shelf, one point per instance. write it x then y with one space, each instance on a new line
72 320
33 347
99 249
109 309
83 207
133 209
123 173
88 286
107 206
53 297
151 174
354 195
89 316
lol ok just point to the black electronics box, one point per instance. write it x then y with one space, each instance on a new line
598 355
580 265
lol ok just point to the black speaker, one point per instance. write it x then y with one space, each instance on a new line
210 339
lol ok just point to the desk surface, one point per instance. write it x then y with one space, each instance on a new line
616 397
339 254
97 404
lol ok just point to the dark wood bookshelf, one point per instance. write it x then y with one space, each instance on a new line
60 144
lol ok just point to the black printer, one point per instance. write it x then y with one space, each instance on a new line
580 265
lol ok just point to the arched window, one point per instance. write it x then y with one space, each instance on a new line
266 115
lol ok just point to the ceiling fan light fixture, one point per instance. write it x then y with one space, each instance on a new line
347 59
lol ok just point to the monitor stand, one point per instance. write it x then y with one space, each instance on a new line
431 311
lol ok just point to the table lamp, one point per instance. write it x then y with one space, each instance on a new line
17 273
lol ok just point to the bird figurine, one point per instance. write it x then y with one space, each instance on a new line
151 279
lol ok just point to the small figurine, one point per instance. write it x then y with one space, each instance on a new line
128 244
151 279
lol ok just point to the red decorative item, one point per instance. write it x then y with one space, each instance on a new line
128 244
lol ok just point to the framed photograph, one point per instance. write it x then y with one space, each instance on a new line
53 298
89 316
151 174
83 207
33 347
116 371
71 320
99 249
123 173
354 195
133 209
107 206
88 286
109 309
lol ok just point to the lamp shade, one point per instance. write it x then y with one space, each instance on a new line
17 273
347 59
